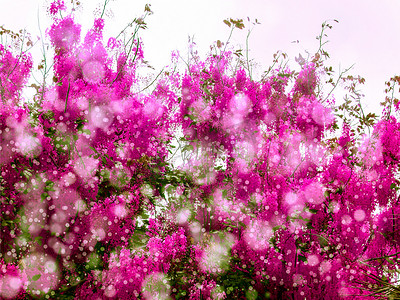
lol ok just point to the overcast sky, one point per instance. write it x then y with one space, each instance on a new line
367 34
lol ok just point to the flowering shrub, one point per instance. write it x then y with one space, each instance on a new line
262 205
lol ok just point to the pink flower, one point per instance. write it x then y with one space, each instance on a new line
55 6
64 33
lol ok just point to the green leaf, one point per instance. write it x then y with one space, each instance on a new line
227 23
93 149
302 258
389 260
188 148
43 196
238 23
276 228
36 277
147 8
38 240
339 190
207 91
322 241
309 225
191 117
6 222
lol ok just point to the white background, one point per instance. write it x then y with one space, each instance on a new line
367 35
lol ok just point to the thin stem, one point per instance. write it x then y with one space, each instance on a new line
126 60
104 8
337 82
151 82
384 256
247 54
66 99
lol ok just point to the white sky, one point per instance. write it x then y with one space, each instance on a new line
367 34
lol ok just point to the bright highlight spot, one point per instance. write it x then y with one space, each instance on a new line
93 72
